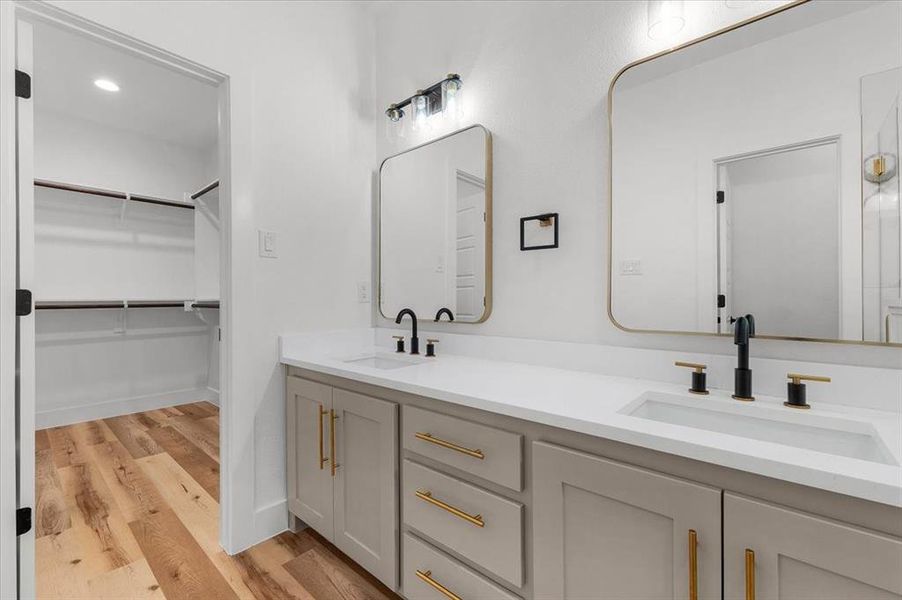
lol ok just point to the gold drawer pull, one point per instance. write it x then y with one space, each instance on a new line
693 565
749 574
322 459
332 418
427 437
427 496
427 577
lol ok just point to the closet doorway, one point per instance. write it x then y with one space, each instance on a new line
122 209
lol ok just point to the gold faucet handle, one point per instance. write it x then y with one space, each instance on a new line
797 378
699 368
431 341
398 337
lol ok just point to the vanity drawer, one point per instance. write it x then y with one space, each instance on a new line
426 567
486 452
485 528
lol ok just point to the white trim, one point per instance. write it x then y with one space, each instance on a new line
8 544
269 521
121 406
235 467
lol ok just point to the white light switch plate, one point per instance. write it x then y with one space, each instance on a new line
631 267
267 243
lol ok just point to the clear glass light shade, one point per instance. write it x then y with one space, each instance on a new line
419 106
452 99
665 18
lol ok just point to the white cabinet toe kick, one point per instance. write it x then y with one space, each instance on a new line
445 502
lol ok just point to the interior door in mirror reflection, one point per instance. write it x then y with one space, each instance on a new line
801 136
435 227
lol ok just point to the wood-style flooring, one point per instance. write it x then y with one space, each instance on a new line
128 507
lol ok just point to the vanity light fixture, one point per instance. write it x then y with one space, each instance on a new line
665 18
420 103
107 85
444 97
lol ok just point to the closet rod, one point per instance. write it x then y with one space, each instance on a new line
82 189
107 304
208 188
210 304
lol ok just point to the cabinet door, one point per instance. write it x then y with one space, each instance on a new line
606 530
366 483
309 475
799 556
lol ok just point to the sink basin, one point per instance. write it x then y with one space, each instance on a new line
378 361
829 434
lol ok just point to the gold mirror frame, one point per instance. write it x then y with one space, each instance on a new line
487 308
610 265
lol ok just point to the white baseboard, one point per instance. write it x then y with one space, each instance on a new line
212 396
113 408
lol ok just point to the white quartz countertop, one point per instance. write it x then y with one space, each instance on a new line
590 403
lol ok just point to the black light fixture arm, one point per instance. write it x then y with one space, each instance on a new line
395 112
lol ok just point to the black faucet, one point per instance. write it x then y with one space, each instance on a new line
444 311
743 330
414 340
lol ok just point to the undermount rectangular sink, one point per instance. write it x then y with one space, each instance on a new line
378 361
828 434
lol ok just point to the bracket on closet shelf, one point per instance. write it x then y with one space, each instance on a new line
200 203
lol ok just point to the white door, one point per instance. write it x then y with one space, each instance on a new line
470 247
16 332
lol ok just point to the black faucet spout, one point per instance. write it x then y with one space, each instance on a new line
444 311
743 331
414 340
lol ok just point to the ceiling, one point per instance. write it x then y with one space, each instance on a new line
153 100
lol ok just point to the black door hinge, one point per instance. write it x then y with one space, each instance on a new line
23 84
23 303
721 197
23 520
721 301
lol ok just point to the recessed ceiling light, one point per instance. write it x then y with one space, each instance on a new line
106 85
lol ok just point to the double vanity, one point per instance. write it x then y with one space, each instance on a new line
466 477
753 193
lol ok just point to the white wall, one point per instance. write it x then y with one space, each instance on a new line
301 109
537 75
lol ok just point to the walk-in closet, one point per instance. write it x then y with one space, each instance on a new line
127 298
126 232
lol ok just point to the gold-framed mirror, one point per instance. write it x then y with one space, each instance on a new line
754 171
435 228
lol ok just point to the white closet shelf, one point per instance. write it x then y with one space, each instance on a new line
83 189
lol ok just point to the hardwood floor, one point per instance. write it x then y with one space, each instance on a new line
127 507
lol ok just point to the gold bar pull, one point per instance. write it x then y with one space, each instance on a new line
322 459
428 437
474 520
693 565
332 418
427 577
749 574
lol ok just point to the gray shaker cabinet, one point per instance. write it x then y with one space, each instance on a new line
607 530
774 553
343 472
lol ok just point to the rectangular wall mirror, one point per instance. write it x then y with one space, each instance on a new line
755 171
435 228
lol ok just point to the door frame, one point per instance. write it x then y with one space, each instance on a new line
720 173
10 14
